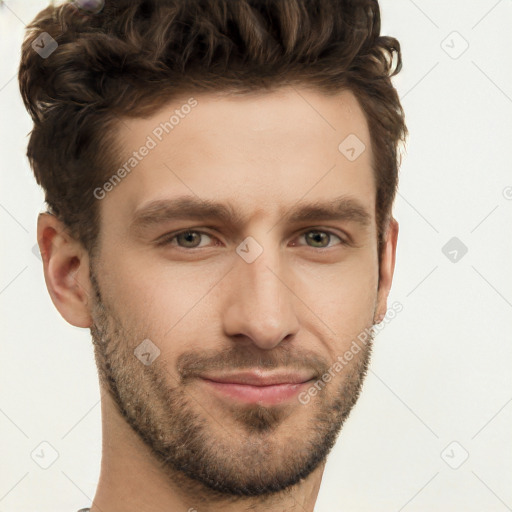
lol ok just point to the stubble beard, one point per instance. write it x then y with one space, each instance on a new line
248 456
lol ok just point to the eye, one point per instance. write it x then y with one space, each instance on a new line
188 239
320 239
191 239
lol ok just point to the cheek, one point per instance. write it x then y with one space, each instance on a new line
342 299
349 286
156 295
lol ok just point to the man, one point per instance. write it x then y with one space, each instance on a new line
219 178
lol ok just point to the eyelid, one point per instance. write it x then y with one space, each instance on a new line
168 237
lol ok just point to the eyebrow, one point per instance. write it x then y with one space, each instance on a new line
343 208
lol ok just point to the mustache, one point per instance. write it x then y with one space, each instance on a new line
192 364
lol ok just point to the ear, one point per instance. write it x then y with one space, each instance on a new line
66 270
386 270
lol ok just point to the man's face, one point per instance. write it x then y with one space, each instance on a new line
292 298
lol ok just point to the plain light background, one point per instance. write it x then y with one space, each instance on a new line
439 389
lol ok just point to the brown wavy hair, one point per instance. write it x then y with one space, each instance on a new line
135 54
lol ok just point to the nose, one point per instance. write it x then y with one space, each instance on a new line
259 305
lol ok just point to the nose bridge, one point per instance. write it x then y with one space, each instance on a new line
264 282
261 305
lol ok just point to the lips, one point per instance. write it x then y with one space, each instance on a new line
267 388
259 378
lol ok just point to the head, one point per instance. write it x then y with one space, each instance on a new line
251 228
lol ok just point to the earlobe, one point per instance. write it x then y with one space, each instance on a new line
66 270
386 269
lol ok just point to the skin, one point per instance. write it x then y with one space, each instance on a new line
294 306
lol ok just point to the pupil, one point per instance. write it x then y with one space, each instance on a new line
317 236
187 236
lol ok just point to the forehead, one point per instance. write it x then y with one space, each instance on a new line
261 152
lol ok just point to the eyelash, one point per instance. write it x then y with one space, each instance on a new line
167 239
